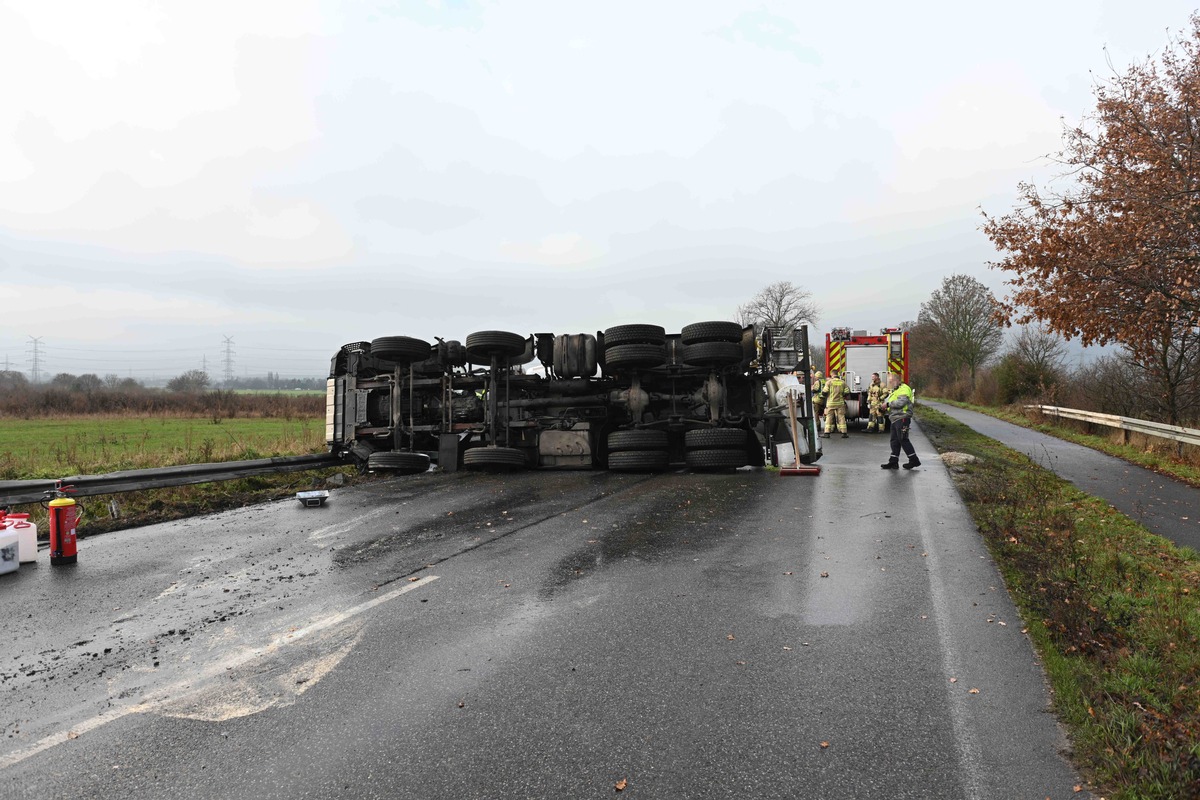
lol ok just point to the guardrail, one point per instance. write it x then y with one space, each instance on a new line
1173 432
17 492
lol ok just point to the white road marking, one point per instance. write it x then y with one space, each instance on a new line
173 693
969 755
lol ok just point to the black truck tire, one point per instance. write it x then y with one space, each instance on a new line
495 459
715 459
400 462
482 345
634 334
712 354
400 349
637 440
627 356
715 439
711 332
638 461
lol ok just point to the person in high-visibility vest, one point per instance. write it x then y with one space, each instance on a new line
900 412
835 405
876 394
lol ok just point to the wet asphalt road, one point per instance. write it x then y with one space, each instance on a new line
1164 506
550 634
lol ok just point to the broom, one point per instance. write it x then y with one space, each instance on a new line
796 469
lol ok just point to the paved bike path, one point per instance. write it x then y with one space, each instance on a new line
1165 506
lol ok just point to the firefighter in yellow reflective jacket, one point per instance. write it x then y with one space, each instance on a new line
835 404
876 395
818 403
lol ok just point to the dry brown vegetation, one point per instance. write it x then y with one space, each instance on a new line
45 401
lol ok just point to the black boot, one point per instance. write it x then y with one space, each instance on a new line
893 463
913 461
845 436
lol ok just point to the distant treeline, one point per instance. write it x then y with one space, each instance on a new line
186 396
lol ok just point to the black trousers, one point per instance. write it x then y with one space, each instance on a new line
900 438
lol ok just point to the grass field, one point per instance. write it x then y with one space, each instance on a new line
58 447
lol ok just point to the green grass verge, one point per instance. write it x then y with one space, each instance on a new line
59 447
1113 610
107 513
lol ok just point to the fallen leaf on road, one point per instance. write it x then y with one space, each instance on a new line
787 573
72 735
730 637
824 574
621 784
972 691
824 745
785 647
413 579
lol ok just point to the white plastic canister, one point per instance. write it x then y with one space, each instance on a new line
26 536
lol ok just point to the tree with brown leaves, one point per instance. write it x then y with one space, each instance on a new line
1115 255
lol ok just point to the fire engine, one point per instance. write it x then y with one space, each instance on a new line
857 354
716 395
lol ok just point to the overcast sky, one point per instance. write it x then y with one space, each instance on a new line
296 175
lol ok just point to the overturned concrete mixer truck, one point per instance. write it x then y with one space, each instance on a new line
630 398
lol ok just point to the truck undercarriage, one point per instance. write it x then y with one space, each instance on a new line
631 398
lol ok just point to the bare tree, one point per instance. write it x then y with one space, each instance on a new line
11 379
194 380
88 382
782 305
1039 349
1033 366
959 324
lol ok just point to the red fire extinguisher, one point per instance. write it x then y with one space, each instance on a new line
64 515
